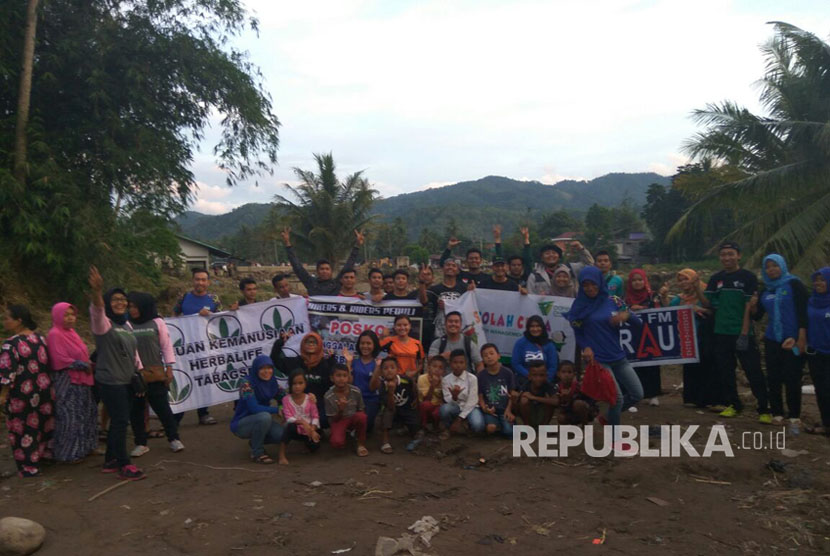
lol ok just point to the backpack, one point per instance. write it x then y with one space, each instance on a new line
468 347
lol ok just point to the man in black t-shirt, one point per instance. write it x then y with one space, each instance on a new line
401 287
473 272
434 296
499 279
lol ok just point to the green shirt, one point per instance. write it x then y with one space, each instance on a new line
729 292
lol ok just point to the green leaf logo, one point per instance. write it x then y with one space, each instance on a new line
545 307
276 317
230 384
225 326
180 388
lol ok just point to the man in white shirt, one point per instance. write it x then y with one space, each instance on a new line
460 389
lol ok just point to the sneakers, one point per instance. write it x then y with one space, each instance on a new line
176 445
632 409
207 420
729 412
111 466
765 418
654 402
778 420
131 473
139 451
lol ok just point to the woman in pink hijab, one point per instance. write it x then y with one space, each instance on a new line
76 413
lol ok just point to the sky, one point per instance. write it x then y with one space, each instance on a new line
420 94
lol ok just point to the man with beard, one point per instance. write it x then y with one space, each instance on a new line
454 339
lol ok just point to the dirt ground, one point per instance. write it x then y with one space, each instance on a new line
210 499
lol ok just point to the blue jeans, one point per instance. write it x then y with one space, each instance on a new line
629 389
504 426
450 411
261 429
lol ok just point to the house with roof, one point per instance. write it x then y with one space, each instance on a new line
198 254
628 247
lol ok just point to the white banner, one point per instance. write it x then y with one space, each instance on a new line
503 318
471 324
214 352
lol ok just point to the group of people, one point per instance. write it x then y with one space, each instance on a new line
442 383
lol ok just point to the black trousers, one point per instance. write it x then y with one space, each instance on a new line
783 372
819 364
290 433
156 396
727 357
700 382
118 401
650 380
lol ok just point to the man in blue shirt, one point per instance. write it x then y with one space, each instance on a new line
199 301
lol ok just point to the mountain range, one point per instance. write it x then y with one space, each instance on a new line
474 205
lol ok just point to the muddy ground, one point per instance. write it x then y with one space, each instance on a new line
210 499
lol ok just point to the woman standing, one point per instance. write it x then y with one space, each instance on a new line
784 299
156 353
76 412
407 350
536 341
639 296
818 342
362 365
596 318
115 366
698 379
26 391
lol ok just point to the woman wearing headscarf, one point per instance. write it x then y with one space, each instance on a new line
26 391
596 318
535 340
315 365
76 412
639 296
116 363
698 378
253 418
818 345
156 352
784 299
562 285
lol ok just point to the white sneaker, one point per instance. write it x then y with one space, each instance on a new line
632 409
176 445
139 451
654 402
778 420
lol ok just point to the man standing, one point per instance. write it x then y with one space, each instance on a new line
499 280
401 287
323 283
473 273
249 289
198 301
452 340
614 282
375 293
434 296
282 287
539 281
518 267
348 278
728 292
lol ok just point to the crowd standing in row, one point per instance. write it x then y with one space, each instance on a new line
442 382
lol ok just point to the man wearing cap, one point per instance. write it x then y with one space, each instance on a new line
539 281
499 279
728 292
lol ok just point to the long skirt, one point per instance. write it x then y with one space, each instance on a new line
76 419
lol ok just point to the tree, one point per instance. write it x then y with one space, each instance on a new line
121 94
24 96
780 190
559 222
326 210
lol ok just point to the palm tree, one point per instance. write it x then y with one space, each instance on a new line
327 210
780 163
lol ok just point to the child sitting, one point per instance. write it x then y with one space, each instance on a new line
398 399
345 410
430 396
537 399
460 389
574 407
302 420
495 385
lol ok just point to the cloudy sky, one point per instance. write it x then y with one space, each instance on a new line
424 93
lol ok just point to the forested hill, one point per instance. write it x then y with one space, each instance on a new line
474 205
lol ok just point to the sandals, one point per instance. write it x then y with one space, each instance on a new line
264 459
362 451
387 449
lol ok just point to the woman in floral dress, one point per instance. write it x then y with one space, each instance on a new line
26 391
